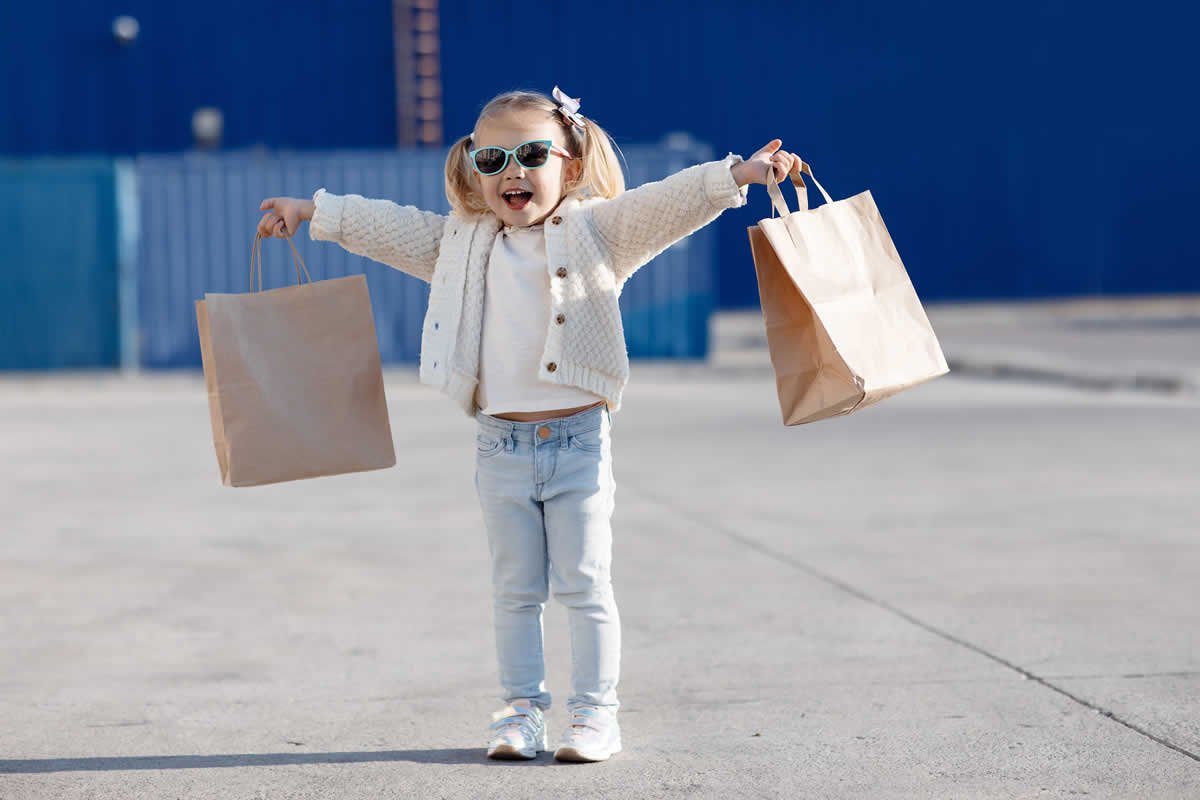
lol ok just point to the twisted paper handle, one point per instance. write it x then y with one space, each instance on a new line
256 255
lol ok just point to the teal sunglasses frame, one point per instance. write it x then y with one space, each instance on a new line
555 150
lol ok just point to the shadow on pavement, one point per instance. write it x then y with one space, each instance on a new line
462 755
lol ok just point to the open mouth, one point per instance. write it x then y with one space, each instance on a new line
516 200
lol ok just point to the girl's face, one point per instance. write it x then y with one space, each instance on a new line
544 184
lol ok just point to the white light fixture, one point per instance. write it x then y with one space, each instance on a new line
208 124
125 30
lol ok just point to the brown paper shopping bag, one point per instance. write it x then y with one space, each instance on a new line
295 385
844 325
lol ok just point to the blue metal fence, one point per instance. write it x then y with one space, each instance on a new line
198 216
198 213
666 305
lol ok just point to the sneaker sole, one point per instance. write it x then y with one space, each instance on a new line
578 756
507 752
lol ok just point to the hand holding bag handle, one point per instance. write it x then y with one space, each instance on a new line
256 254
777 201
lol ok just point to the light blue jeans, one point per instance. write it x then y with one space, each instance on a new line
546 489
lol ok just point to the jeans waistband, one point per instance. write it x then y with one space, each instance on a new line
580 422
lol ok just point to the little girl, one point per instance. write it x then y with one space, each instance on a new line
523 331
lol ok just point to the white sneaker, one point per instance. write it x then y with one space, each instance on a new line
518 731
592 735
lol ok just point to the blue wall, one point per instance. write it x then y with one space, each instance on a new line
1025 149
1019 149
307 74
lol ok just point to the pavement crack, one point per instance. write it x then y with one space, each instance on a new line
765 550
1188 673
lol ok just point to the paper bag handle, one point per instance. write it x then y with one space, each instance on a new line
256 255
777 201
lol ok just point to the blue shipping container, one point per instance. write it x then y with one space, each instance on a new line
59 301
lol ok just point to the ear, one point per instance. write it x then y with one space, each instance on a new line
574 170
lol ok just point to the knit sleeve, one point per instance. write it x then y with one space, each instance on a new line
639 224
403 237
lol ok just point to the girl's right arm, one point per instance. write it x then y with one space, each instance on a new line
403 237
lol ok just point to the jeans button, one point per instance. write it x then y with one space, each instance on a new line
543 433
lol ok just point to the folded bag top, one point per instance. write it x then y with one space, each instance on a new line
844 325
294 379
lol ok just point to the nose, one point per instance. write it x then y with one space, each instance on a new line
513 167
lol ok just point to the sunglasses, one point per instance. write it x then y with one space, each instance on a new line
530 155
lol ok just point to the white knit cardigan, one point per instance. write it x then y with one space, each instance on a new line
593 245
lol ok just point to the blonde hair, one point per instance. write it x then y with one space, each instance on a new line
601 174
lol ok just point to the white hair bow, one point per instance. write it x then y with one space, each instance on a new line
569 106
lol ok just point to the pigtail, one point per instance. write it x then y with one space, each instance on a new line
462 189
601 171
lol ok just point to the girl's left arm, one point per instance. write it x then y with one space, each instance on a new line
640 223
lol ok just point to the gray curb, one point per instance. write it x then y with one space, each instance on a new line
1071 377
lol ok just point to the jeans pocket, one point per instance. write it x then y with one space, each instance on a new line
487 445
589 441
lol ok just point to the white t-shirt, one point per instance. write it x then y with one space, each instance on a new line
516 315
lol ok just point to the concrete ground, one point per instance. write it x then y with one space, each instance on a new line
985 587
1137 344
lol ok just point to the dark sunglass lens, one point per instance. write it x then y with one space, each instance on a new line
489 160
533 154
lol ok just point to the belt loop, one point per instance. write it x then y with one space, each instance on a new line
562 433
510 441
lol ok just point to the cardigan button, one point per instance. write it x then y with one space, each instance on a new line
551 367
556 220
560 319
561 272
